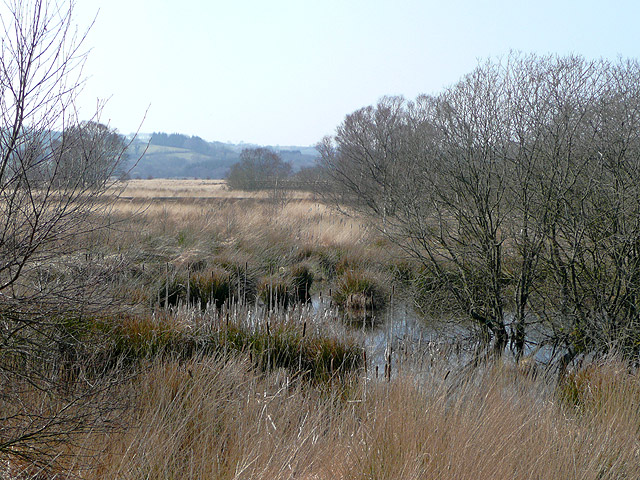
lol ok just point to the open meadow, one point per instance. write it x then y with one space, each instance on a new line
229 351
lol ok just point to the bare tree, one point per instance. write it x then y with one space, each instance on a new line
517 190
90 154
592 241
46 208
258 169
434 185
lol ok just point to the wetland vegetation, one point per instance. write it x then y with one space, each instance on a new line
239 385
385 326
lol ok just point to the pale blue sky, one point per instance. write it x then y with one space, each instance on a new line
287 72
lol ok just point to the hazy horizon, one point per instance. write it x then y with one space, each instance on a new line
287 73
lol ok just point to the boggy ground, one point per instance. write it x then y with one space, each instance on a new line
250 387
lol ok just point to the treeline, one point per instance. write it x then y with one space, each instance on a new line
265 169
193 143
84 155
181 156
518 191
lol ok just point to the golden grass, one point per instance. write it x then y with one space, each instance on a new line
211 418
174 188
237 215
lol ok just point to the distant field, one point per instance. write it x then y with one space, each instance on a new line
154 188
158 206
191 189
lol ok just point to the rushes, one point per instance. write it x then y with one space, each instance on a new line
295 339
210 287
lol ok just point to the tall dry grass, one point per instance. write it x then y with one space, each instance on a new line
217 418
303 221
199 188
184 201
235 233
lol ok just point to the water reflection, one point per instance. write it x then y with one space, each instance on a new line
401 335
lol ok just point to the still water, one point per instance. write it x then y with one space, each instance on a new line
401 335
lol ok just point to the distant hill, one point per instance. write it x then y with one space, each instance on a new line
162 155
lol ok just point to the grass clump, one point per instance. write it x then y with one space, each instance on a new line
328 259
318 358
301 280
358 290
275 291
171 291
213 286
286 287
210 287
242 276
143 337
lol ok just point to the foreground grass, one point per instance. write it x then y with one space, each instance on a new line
222 415
220 418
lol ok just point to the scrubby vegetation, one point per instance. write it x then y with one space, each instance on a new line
203 336
240 387
517 191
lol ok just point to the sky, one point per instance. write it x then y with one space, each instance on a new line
284 72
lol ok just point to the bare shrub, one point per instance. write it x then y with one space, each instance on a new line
54 171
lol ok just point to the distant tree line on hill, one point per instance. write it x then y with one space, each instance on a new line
194 143
176 155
